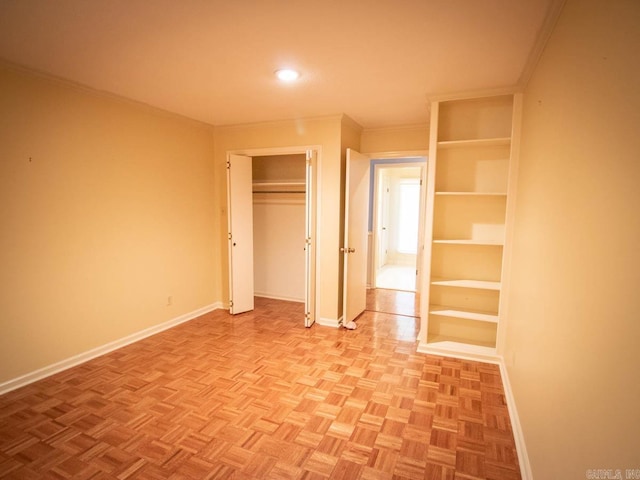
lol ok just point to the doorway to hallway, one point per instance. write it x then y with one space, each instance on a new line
397 277
396 217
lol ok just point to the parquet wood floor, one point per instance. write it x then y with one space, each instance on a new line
397 302
259 396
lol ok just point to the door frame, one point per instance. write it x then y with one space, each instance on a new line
315 215
378 204
399 160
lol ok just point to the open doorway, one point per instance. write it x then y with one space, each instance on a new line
397 205
398 216
396 240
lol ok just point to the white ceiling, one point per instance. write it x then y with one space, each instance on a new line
378 61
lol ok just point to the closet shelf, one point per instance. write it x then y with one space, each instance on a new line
465 314
441 344
279 187
465 283
480 142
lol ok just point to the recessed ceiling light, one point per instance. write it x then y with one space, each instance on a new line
287 74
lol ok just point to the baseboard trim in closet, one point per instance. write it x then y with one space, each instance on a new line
67 363
278 297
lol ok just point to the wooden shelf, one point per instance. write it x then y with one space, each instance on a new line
450 346
279 187
470 242
465 314
462 283
482 142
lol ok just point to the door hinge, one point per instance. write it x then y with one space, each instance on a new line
228 165
230 303
229 236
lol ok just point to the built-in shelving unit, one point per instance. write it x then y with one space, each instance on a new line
470 191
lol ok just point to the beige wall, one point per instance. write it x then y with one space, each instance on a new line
278 246
107 208
574 321
404 138
322 132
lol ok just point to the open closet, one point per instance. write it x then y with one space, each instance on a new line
271 206
279 188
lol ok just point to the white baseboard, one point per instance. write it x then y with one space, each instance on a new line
98 351
523 457
277 297
329 322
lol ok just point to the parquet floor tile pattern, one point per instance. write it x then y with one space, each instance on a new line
399 302
256 396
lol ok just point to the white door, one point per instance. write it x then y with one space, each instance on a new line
310 247
356 214
240 218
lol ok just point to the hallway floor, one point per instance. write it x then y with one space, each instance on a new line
398 277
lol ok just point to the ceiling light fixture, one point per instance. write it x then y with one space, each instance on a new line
287 75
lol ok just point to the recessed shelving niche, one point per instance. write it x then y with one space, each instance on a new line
471 177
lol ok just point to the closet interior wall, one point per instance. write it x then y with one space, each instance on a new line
279 208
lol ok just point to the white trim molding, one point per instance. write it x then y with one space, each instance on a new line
278 297
523 457
329 322
67 363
